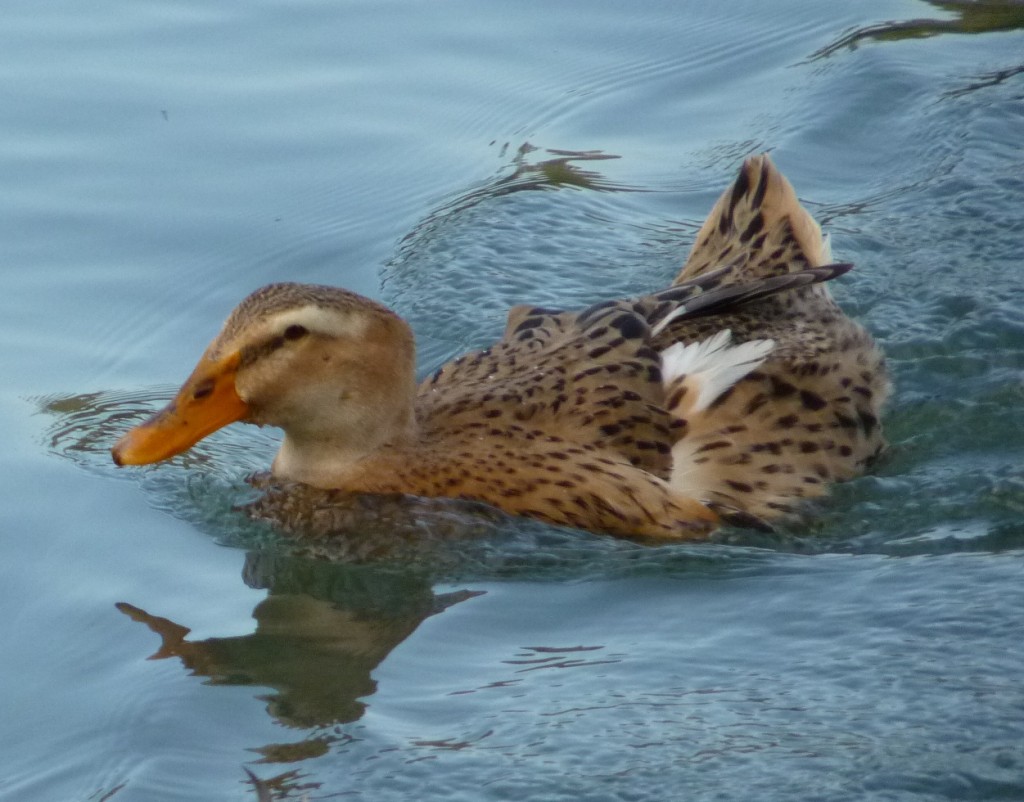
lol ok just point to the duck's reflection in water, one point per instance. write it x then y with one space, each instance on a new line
319 634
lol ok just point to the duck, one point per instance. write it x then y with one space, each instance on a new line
731 396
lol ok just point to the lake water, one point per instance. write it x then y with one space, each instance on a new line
159 160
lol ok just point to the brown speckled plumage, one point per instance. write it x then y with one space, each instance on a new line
809 415
569 417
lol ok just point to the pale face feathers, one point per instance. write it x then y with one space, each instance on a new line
339 380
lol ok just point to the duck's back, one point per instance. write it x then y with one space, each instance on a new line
572 418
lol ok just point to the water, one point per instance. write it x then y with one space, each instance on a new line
160 160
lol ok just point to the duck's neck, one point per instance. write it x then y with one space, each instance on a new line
322 460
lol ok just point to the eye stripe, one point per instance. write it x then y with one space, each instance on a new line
204 389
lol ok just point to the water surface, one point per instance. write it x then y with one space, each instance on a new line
161 160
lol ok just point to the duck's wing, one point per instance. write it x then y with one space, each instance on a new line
719 294
591 379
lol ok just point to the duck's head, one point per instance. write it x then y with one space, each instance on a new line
334 370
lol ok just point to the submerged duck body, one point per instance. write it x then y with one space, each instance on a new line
733 394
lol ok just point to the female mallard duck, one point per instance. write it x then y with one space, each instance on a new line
733 394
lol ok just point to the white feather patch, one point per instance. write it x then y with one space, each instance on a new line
714 363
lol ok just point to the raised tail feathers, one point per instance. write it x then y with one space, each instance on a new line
759 227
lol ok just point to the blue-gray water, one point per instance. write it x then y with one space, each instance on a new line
159 160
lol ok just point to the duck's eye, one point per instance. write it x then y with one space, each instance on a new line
203 390
295 332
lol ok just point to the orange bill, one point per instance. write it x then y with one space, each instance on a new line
206 402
